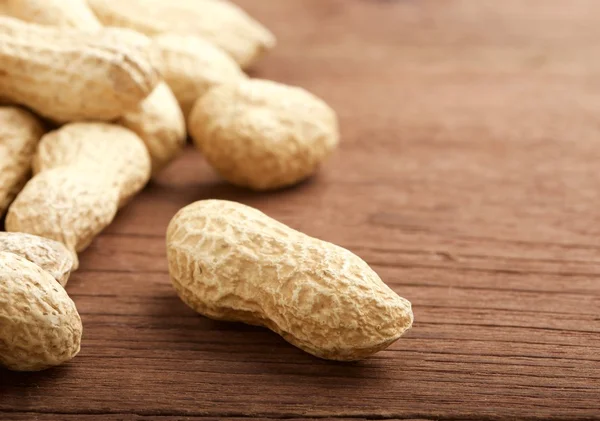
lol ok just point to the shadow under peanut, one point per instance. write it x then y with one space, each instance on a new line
247 349
16 386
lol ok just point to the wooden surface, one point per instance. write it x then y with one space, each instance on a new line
468 177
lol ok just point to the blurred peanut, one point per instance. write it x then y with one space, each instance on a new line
159 122
63 13
191 66
220 22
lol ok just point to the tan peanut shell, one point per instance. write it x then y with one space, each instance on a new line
191 66
20 132
159 122
231 262
63 13
39 324
85 172
114 152
51 256
66 74
220 22
262 134
70 205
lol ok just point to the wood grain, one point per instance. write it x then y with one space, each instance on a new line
468 178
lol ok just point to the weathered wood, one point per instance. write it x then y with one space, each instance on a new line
468 178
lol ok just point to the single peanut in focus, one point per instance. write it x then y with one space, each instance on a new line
231 262
159 122
84 173
66 74
262 134
50 255
39 324
191 66
63 13
220 22
20 133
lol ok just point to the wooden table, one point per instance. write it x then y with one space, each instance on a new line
468 177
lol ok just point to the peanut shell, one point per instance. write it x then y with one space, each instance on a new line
63 13
20 132
39 324
191 66
231 262
159 122
113 151
84 173
220 22
66 204
262 134
66 74
51 256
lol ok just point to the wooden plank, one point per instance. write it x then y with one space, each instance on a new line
467 178
31 416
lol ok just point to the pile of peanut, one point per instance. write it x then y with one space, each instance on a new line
97 96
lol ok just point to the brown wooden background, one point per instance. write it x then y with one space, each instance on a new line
468 177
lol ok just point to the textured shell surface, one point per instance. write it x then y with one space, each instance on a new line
159 122
20 132
67 204
262 134
51 256
192 65
67 74
39 324
220 22
63 13
232 262
114 151
84 173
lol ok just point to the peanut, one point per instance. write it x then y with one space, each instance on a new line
262 134
84 173
63 13
66 74
191 66
51 256
20 133
158 119
159 122
220 22
39 323
231 262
